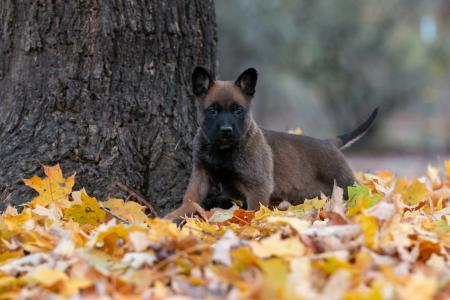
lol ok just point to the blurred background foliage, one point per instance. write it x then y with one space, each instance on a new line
324 65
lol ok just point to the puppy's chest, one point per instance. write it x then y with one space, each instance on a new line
223 167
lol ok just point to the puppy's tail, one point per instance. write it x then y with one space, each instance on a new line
347 139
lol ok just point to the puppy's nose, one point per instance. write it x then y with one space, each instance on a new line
226 129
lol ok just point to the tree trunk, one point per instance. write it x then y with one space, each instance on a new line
103 88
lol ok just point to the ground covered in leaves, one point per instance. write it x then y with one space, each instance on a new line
390 240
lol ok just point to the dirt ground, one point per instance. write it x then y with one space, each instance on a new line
409 165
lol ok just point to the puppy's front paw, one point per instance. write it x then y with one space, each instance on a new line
176 218
180 222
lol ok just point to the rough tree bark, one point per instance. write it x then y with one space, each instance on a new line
102 87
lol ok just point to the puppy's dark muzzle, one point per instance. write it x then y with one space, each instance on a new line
226 131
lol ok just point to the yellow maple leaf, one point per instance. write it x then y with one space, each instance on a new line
265 212
369 227
193 226
275 246
385 175
58 281
34 241
48 277
52 189
111 237
7 255
401 184
164 229
243 257
13 220
414 193
315 203
132 211
88 212
275 281
332 264
447 167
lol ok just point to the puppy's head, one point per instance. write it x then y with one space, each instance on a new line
224 105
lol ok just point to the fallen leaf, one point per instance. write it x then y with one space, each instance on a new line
298 280
433 175
377 245
275 246
242 217
295 223
375 292
274 279
447 167
132 211
336 286
369 228
57 280
221 215
418 287
360 198
223 246
53 189
331 265
138 260
65 247
334 218
139 241
382 211
414 193
89 212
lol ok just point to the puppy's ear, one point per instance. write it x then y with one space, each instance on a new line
201 81
247 81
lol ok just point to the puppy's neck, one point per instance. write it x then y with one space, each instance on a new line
251 130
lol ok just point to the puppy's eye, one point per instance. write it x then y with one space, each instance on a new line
211 111
237 110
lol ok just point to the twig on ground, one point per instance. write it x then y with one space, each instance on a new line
138 197
115 216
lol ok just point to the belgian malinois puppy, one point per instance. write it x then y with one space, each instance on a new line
255 164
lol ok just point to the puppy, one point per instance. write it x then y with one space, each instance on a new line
255 164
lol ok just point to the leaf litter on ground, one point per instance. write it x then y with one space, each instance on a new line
389 240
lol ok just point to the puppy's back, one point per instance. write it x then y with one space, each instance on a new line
301 161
